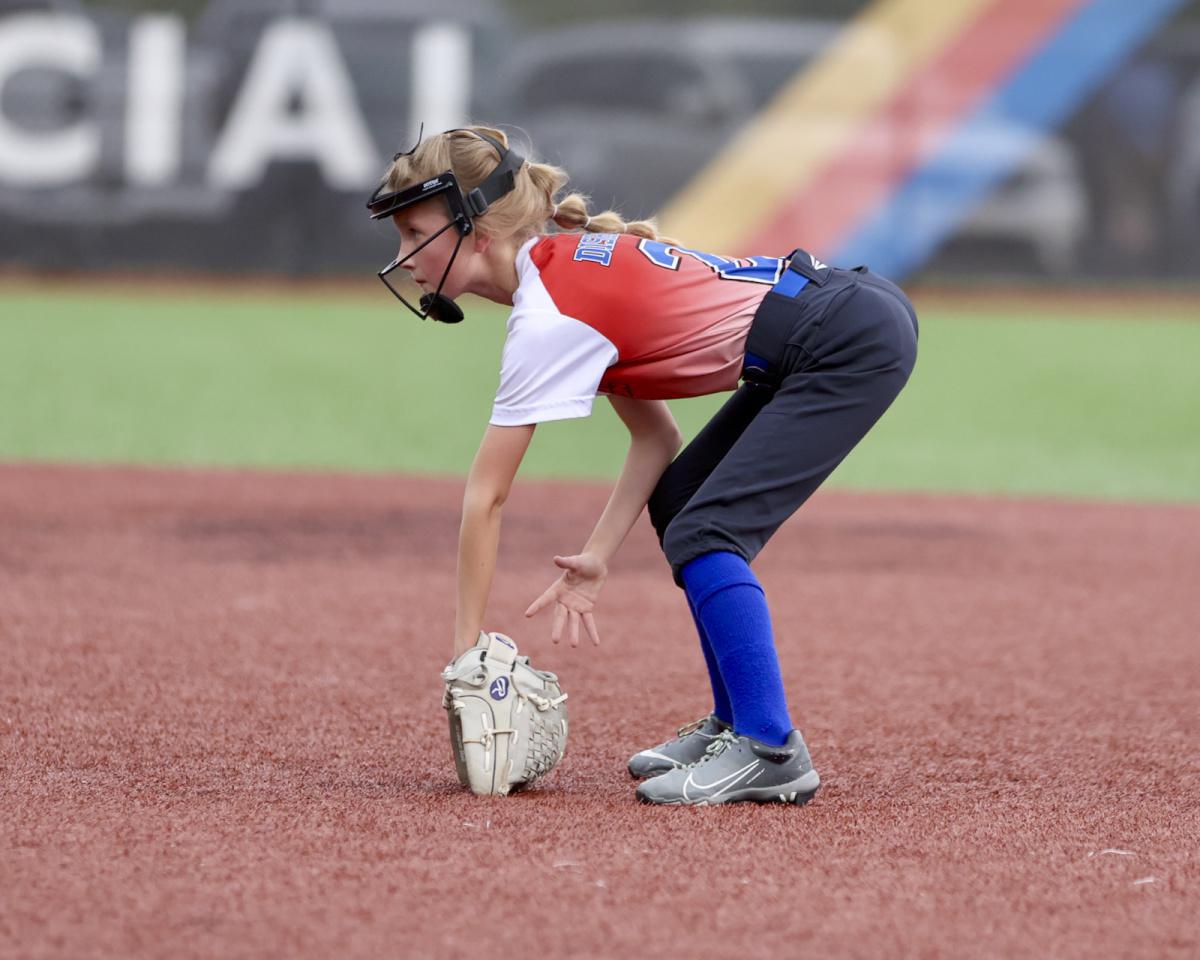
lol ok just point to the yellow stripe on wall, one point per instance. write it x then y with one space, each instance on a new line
811 120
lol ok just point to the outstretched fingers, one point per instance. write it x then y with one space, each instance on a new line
589 623
541 603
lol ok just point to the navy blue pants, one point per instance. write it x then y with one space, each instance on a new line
766 450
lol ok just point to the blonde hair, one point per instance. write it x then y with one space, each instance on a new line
529 207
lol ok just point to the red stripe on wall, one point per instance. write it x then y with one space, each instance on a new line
892 144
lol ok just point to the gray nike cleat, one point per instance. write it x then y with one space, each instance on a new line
739 768
691 740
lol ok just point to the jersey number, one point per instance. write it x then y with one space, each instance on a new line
749 269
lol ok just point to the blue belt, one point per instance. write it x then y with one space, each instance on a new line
770 328
791 283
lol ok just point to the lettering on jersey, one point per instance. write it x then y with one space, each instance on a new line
596 248
748 269
659 254
757 270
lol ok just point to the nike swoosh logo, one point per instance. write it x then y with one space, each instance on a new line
732 780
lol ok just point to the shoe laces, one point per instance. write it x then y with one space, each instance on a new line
691 727
721 742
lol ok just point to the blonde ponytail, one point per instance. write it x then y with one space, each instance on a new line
571 213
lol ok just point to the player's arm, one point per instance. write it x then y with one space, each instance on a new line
654 439
496 462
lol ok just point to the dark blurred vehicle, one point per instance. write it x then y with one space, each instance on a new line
1183 166
634 110
1035 218
1185 174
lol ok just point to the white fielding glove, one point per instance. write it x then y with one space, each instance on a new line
508 721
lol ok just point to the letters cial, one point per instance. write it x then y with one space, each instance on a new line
74 104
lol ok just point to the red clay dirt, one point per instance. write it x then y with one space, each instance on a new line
220 731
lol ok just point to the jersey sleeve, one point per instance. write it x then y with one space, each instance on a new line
550 370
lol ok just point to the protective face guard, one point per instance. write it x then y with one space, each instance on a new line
463 209
428 304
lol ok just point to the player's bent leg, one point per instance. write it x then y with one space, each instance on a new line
699 458
822 409
817 416
676 486
732 609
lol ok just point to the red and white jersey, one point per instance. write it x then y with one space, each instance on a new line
616 314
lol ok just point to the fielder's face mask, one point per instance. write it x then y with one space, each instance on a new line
462 207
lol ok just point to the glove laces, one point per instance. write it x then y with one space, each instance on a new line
542 703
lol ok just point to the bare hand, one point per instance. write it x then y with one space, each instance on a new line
574 596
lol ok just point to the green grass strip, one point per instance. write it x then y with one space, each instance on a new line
1044 402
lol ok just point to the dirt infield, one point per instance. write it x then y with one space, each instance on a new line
220 732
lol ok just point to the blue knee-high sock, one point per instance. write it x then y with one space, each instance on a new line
721 707
732 610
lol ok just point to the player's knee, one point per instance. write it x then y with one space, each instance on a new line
664 535
663 506
687 537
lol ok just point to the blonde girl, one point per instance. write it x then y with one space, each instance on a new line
605 307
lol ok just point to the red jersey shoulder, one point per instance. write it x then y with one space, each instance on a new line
602 279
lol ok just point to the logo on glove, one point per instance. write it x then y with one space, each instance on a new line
499 688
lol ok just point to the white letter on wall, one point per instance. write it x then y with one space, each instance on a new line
154 112
43 158
441 76
296 59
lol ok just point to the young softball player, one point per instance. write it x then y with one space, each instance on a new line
601 306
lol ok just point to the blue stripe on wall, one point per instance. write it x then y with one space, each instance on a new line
902 234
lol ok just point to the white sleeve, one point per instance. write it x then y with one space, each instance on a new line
551 369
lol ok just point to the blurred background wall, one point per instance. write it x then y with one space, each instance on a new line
244 135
